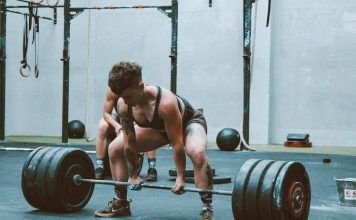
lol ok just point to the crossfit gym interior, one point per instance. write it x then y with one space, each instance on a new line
273 81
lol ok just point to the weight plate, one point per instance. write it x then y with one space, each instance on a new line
253 189
29 175
41 178
292 195
266 193
187 172
216 179
24 181
68 196
221 179
47 179
238 200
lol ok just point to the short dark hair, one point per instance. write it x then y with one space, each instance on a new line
123 75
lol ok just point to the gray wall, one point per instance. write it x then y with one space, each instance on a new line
302 69
313 67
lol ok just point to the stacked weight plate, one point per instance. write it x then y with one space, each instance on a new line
47 179
271 190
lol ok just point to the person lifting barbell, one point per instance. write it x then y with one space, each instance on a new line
152 117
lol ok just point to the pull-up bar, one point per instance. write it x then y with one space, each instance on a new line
30 5
39 2
78 10
110 7
34 5
21 13
75 11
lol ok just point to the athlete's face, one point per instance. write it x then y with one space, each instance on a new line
132 94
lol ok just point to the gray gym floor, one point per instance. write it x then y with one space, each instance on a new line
162 204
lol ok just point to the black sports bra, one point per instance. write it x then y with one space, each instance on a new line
156 123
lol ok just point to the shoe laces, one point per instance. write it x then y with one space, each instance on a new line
115 200
99 169
152 171
206 210
112 202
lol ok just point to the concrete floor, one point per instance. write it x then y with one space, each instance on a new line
162 204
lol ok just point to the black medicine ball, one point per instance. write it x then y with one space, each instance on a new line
228 139
76 129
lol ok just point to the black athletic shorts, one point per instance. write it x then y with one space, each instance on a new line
192 115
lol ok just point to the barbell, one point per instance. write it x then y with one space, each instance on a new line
59 179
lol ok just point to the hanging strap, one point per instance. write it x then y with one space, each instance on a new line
25 43
36 39
25 69
268 13
30 12
24 64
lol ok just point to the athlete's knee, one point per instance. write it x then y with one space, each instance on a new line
116 150
198 157
103 128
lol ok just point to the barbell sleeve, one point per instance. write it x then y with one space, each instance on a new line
78 179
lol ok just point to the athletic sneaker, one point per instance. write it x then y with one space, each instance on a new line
99 173
115 208
151 175
207 214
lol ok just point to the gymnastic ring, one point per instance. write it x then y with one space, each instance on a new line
23 67
37 1
52 4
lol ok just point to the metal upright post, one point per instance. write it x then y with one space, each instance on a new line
246 67
54 15
65 59
2 66
174 40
